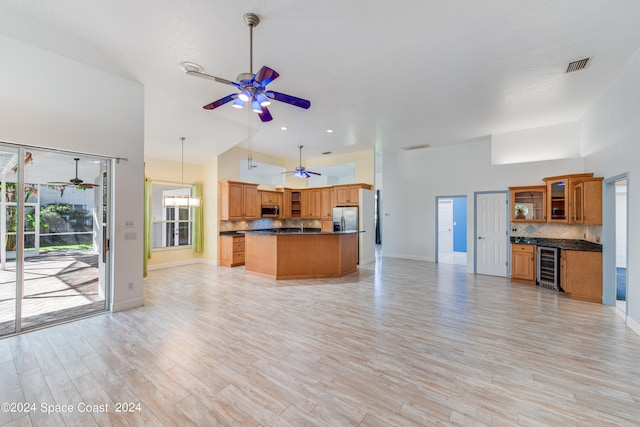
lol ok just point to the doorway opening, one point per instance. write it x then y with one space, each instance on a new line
615 222
621 244
54 215
452 230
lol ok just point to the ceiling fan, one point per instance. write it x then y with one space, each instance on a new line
300 171
253 87
75 182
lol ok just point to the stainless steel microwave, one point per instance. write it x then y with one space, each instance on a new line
270 211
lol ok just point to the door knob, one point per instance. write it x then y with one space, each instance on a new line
480 237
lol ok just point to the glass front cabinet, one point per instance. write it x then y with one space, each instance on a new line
560 196
528 204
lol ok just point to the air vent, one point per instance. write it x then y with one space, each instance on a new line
577 65
415 147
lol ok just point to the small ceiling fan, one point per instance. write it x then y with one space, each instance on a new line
300 171
75 182
252 86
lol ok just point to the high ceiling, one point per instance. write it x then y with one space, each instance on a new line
379 73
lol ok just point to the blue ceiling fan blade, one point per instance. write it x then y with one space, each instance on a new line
221 101
289 99
265 116
266 75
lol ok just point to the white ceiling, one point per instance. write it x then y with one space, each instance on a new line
381 74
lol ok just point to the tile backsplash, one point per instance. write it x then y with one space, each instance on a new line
261 224
590 233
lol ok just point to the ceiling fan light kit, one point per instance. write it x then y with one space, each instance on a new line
252 86
300 171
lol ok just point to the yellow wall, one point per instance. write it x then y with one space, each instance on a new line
167 171
210 210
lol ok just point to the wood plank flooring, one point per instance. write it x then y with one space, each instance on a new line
399 343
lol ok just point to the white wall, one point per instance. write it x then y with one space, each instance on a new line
413 179
50 101
534 145
611 142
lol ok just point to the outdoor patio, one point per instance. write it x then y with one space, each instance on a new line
59 284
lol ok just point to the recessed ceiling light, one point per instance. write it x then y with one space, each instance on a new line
326 152
283 128
329 130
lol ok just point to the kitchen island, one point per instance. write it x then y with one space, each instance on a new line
300 255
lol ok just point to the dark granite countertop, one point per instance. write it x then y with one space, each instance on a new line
566 244
286 230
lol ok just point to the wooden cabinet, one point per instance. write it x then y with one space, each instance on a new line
528 204
326 203
238 200
587 202
285 212
559 196
523 262
581 275
346 195
270 197
310 201
296 204
231 250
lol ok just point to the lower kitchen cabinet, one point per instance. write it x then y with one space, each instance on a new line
523 262
581 275
231 250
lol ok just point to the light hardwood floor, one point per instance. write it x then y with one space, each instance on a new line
397 343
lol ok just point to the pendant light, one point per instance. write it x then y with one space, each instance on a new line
184 200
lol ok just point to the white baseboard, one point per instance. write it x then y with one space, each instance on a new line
367 260
126 305
411 257
633 325
177 264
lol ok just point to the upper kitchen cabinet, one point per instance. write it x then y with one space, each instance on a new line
310 203
587 202
326 203
238 200
346 195
270 197
287 204
559 196
528 204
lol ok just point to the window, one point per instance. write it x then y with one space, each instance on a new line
171 226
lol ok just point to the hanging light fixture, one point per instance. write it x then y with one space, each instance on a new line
182 200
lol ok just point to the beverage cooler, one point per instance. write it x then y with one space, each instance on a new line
548 268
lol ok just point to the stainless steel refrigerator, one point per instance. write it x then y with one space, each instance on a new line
345 219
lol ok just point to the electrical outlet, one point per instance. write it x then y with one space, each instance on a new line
128 223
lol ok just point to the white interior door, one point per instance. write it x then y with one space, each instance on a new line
445 226
491 234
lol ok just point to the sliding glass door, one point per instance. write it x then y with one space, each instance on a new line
56 205
8 215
